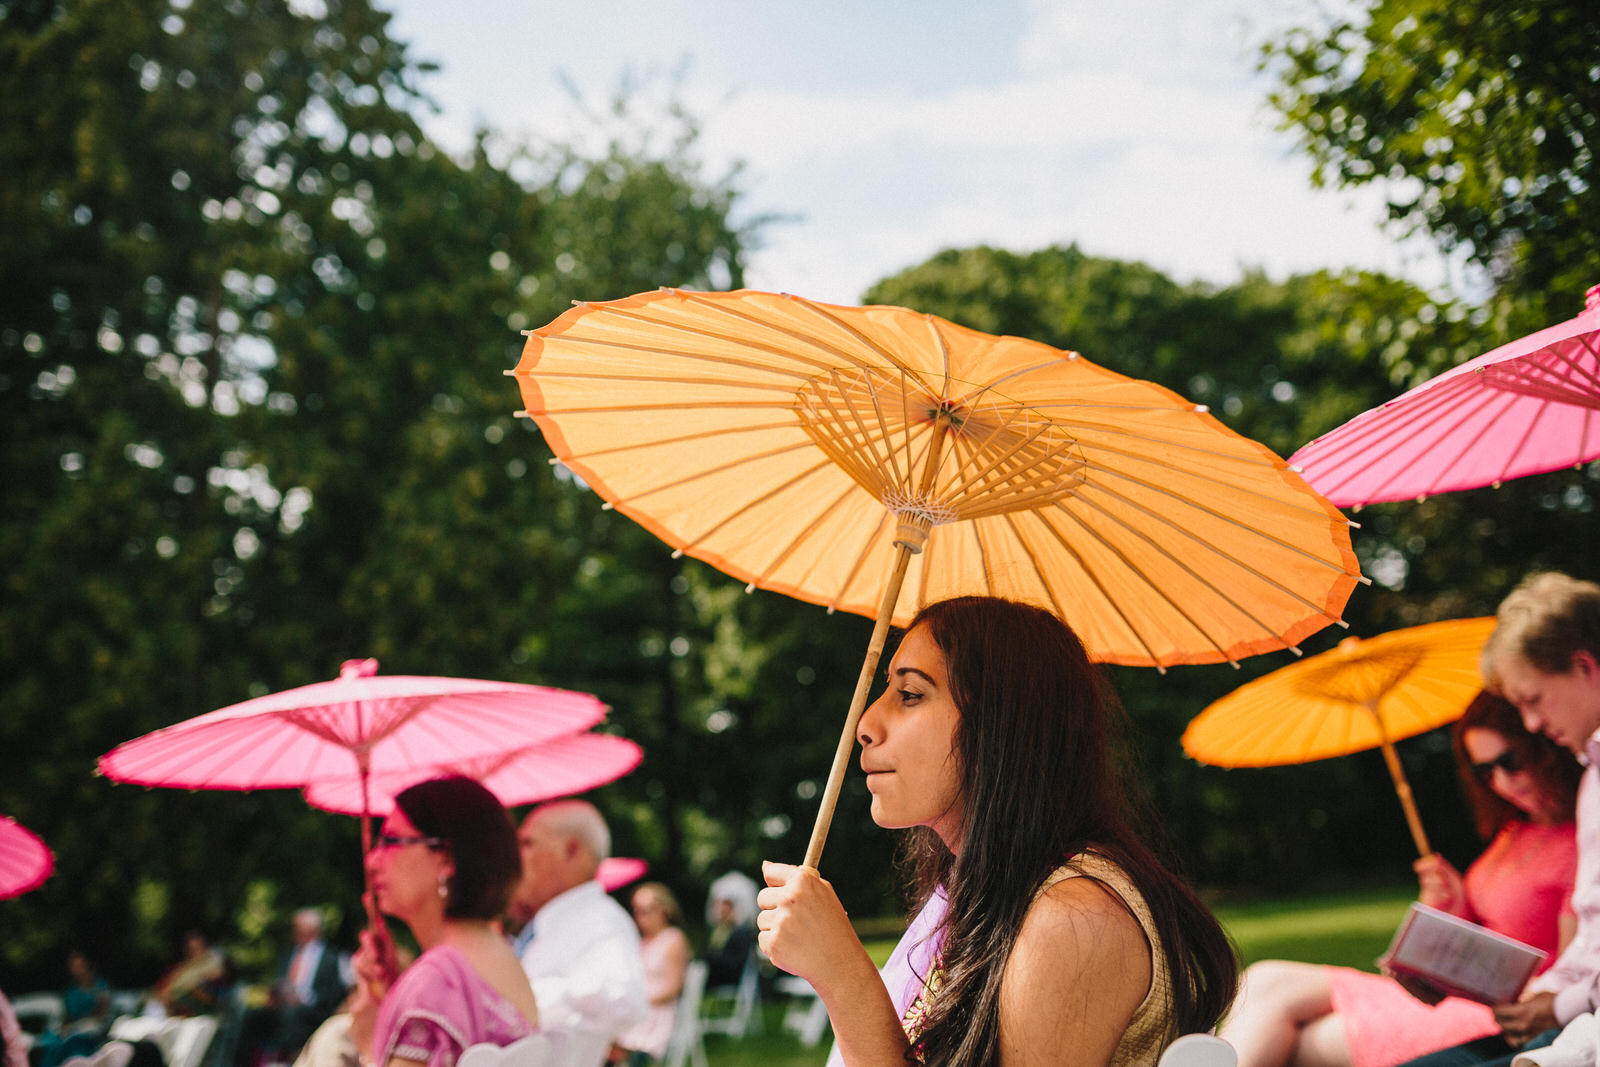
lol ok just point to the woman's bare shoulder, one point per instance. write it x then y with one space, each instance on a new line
1078 972
1086 920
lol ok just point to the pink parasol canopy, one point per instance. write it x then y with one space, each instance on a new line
1527 407
359 724
542 771
25 860
618 871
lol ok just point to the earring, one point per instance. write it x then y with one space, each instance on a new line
444 887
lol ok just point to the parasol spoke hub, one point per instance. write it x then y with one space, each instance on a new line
951 457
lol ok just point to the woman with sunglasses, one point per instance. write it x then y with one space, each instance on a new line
445 865
1522 788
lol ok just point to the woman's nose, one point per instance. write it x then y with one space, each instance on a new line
868 730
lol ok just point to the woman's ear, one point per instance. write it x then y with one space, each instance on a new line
1587 664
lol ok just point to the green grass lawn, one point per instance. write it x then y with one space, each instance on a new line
1350 928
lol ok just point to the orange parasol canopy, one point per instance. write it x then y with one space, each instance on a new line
833 453
1359 695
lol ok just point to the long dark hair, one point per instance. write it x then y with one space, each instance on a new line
1038 746
1554 767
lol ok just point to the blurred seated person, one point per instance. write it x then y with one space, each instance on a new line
731 913
445 864
666 954
86 1014
195 984
579 947
1523 790
310 987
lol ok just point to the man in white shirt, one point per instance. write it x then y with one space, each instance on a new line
579 947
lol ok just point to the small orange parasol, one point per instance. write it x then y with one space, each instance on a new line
1361 694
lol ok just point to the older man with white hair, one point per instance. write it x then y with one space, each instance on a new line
579 947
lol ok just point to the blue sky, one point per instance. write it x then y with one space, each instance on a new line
888 130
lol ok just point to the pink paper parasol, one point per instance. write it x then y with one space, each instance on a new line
1527 407
25 860
559 768
359 725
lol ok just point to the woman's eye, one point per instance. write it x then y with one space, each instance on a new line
908 696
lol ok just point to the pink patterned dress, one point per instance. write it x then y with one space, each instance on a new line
1520 887
439 1006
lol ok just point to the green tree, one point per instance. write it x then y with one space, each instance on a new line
257 423
1482 121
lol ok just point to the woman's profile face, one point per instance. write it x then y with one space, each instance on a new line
405 870
908 743
1496 765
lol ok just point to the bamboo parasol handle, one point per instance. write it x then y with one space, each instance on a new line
912 536
382 941
1402 787
858 705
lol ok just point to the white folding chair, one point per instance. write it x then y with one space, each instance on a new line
531 1051
110 1054
576 1048
113 1054
806 1014
744 1011
1199 1050
38 1013
686 1045
190 1037
139 1028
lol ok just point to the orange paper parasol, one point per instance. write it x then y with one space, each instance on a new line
1362 694
834 453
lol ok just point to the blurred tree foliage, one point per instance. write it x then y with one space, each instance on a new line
1482 120
257 423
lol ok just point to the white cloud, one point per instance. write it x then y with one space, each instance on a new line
1137 129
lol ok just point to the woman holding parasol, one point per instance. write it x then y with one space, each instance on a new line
1046 923
1522 788
445 864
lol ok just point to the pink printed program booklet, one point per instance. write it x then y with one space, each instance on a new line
1461 958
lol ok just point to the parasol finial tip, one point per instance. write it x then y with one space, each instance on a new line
1201 409
750 588
677 553
1350 646
608 506
1591 299
358 668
